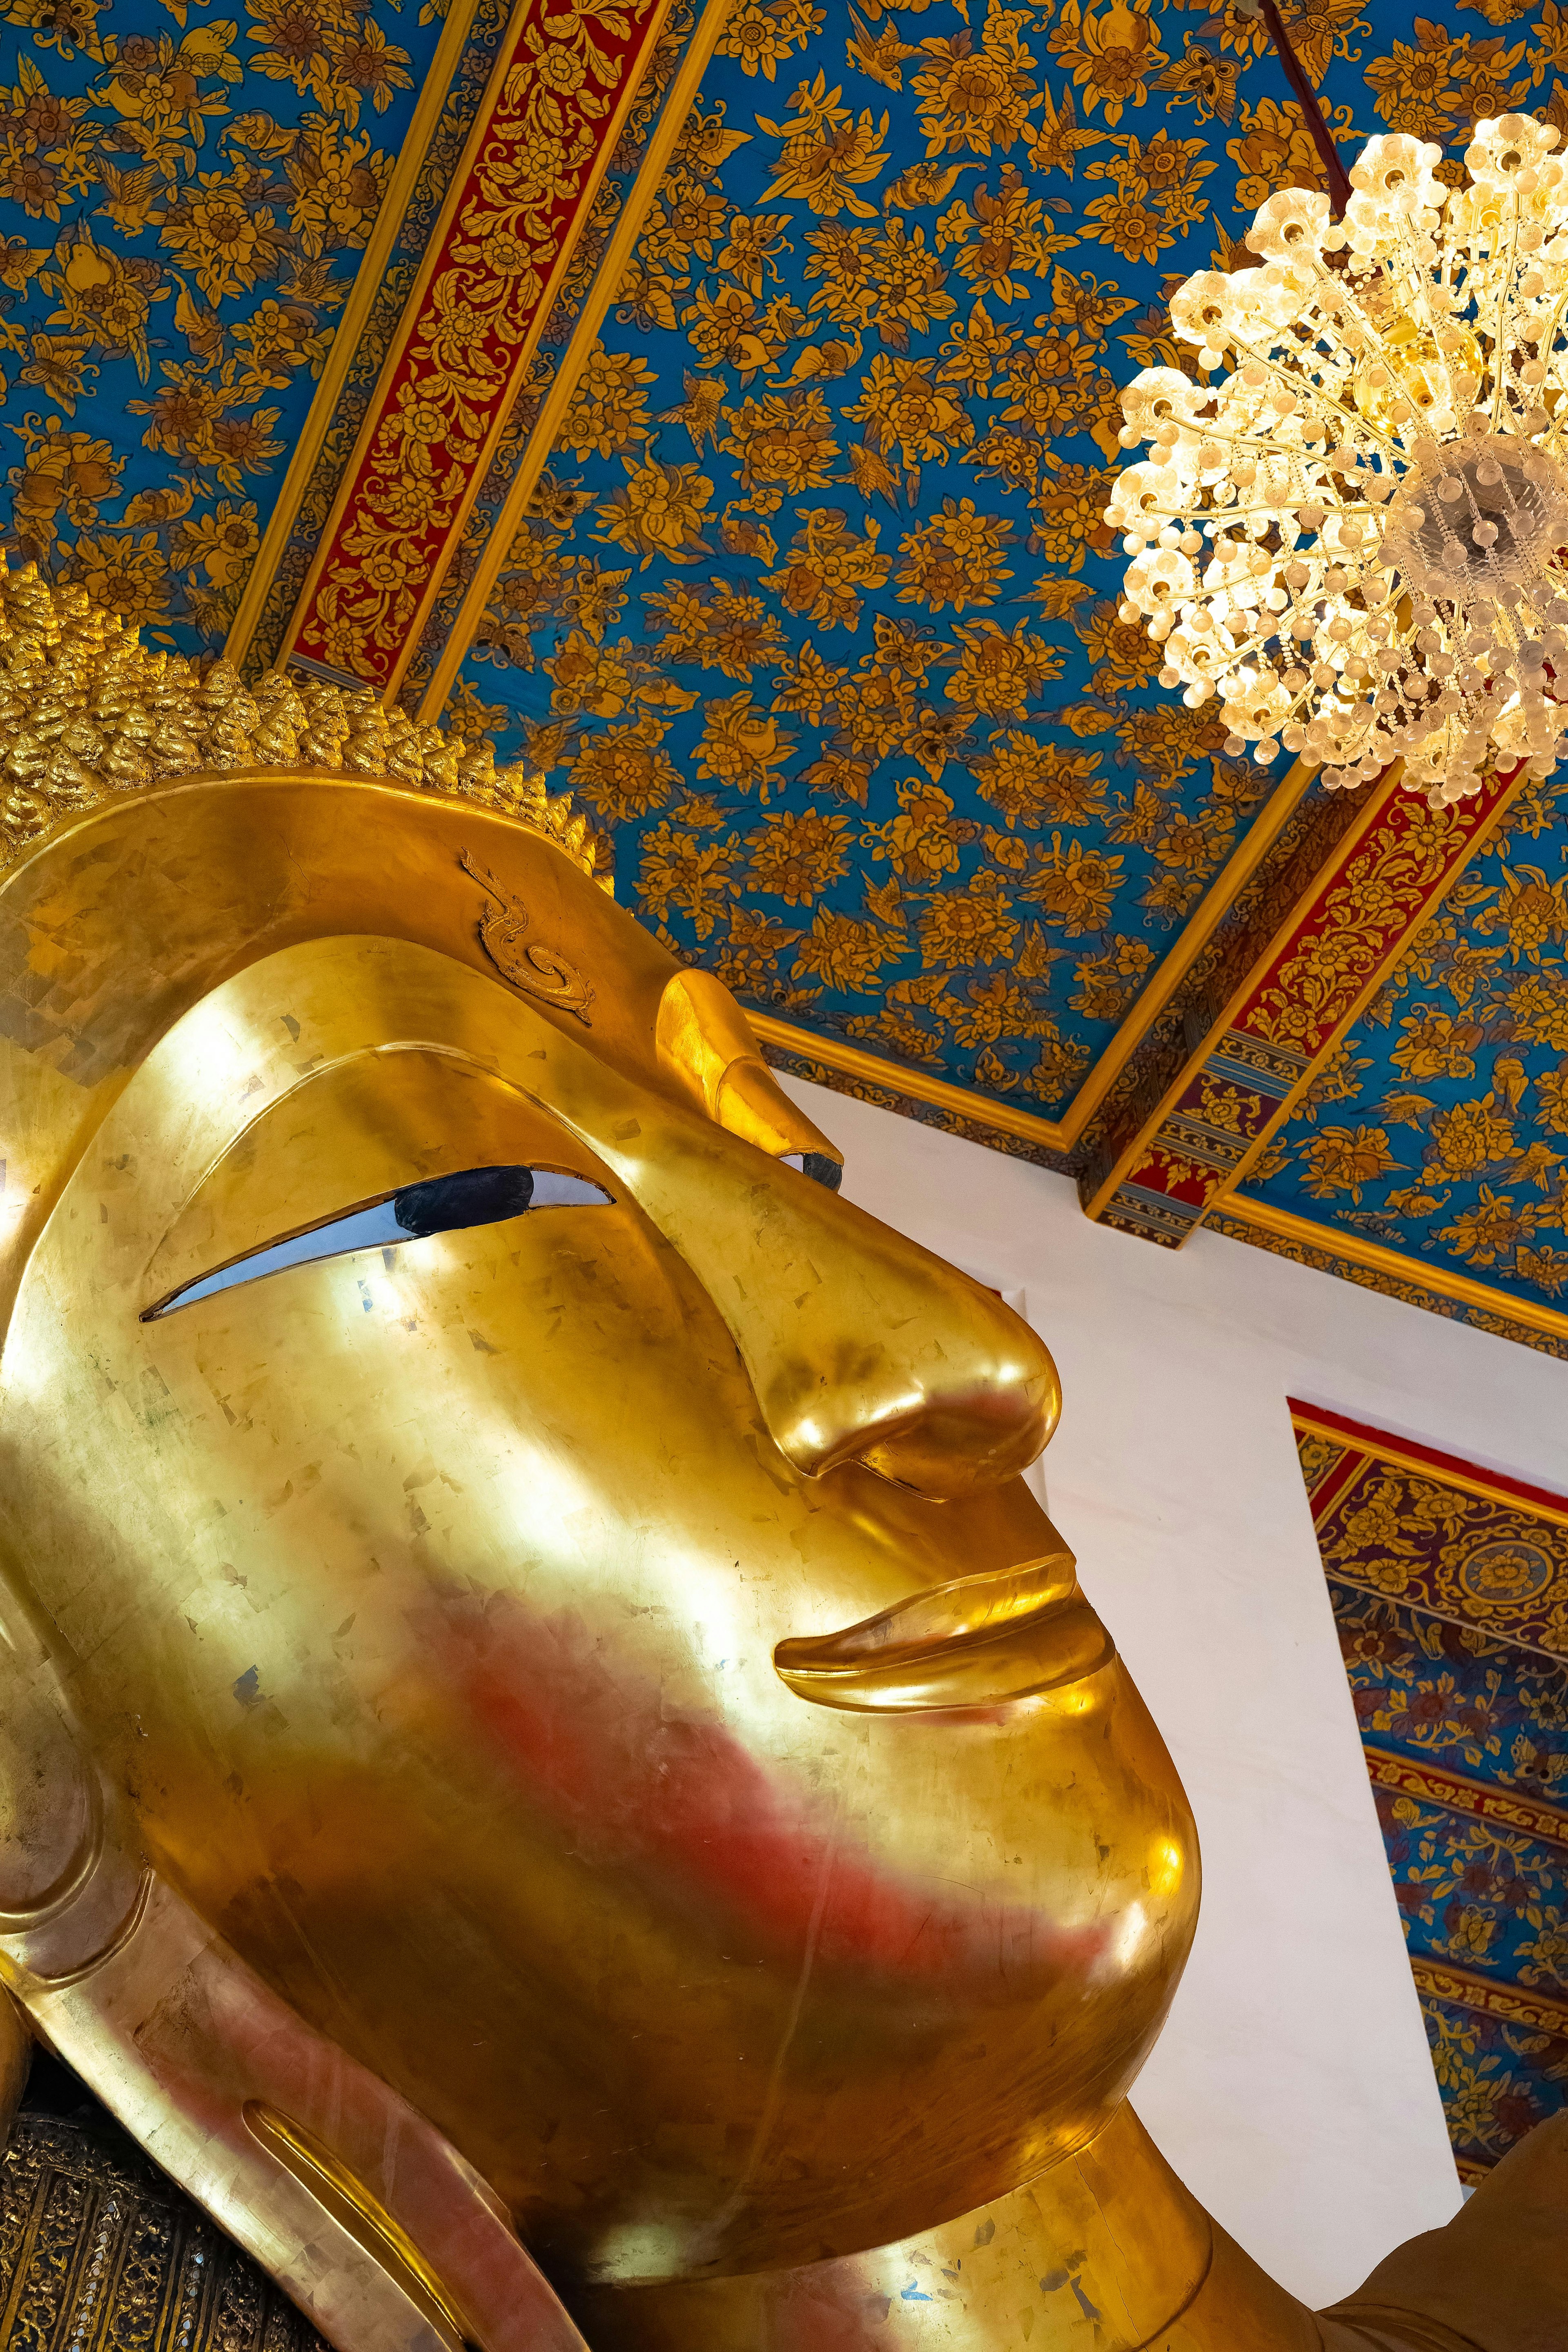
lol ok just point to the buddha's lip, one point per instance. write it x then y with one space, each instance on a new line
975 1642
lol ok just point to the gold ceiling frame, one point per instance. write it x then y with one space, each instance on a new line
1409 1457
383 670
539 448
1029 1127
1283 1231
1224 1195
384 235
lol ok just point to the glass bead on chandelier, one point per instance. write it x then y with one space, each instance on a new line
1357 537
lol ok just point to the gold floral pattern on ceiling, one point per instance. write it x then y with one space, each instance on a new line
184 199
1440 1125
816 609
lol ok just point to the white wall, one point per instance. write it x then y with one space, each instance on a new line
1292 2088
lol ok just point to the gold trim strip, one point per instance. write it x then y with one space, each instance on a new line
1029 1127
1378 797
1457 1793
853 1063
522 356
1284 1225
1388 1449
1225 1190
383 235
1492 1999
1201 926
679 99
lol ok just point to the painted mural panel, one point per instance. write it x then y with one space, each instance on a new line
1450 1587
183 198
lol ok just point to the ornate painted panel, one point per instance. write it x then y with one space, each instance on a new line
1440 1126
185 196
817 612
1449 1587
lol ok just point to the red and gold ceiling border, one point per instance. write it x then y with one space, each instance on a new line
509 484
1185 1140
562 90
450 103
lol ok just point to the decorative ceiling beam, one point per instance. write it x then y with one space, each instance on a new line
828 1059
1193 1131
439 664
469 22
1332 1249
558 100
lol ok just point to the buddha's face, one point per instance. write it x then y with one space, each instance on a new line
461 1614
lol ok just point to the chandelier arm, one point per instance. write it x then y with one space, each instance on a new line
1334 172
1350 415
1504 298
1421 274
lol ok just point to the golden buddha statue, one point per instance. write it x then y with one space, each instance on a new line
557 1779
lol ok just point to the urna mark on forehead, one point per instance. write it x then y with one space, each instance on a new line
118 924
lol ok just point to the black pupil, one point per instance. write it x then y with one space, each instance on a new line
473 1196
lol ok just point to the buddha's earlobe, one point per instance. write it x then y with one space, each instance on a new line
371 2222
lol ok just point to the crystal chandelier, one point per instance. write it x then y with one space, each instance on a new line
1356 532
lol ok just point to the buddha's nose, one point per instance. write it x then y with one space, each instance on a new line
860 1345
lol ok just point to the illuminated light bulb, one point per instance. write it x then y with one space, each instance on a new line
1395 434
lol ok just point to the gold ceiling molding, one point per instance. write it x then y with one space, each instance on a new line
1184 1150
350 327
538 448
1408 1455
562 92
1331 1250
1055 1137
90 714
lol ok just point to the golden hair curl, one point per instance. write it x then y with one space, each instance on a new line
89 713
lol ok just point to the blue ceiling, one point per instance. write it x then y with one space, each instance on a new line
815 609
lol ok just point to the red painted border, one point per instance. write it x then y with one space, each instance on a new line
1377 1441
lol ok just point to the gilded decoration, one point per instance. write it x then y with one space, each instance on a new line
100 2251
498 257
1439 1126
817 611
90 713
183 200
1450 1590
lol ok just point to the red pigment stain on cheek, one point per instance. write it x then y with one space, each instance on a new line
682 1804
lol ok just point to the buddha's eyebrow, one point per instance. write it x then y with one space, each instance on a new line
441 1204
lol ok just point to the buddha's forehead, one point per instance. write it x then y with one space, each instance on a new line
368 1013
120 928
115 928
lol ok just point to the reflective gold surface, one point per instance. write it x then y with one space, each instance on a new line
481 1555
571 1720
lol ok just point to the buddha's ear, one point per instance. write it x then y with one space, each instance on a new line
706 1044
362 2212
366 2216
51 1805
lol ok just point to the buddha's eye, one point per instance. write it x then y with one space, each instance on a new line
442 1205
